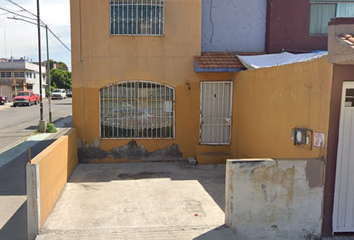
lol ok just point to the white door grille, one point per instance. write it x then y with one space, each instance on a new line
137 109
215 113
343 211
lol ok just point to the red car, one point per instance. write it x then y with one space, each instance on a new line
25 98
3 100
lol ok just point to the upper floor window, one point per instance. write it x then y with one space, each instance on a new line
19 74
137 109
137 17
5 74
322 11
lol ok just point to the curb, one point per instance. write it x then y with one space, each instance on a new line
14 150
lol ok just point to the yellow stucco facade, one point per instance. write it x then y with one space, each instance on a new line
265 102
55 165
270 102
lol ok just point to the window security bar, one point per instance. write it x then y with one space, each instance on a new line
137 17
137 109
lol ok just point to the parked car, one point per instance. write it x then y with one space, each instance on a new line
59 94
26 98
69 93
3 100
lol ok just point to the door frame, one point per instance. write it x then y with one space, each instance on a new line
345 85
200 109
333 135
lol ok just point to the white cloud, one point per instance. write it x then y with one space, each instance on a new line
21 37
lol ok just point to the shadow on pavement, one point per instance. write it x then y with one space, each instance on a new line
32 128
220 233
16 227
13 166
63 104
63 122
13 184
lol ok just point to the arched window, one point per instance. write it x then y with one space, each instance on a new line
137 109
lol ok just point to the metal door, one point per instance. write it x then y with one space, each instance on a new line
343 212
215 113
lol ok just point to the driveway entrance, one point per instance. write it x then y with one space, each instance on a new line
141 201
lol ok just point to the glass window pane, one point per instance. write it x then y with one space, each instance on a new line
320 15
349 97
345 10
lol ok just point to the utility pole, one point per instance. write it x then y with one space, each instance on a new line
42 125
48 77
48 66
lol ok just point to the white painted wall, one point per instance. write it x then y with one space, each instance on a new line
25 67
233 25
267 199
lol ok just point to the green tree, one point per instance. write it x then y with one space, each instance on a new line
59 65
60 78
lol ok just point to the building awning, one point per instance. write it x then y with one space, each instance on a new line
219 62
272 60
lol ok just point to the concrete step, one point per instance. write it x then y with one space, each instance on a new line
152 233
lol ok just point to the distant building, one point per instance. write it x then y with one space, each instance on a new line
20 75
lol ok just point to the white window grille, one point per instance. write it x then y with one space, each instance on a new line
6 74
137 17
19 74
322 11
137 109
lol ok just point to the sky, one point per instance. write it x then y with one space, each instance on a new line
20 39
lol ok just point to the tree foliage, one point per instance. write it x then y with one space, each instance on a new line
60 78
58 65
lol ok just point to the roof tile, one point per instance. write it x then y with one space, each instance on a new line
220 59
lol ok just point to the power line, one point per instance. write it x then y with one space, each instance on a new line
59 39
43 25
9 13
12 12
24 9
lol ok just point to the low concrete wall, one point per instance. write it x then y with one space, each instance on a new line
47 175
274 199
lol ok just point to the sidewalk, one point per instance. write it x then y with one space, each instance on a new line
134 201
13 196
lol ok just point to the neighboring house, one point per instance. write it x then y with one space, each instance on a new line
233 26
301 25
20 75
339 201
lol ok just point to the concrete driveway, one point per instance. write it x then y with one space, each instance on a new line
141 201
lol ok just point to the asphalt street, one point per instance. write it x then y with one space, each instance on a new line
17 123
